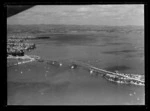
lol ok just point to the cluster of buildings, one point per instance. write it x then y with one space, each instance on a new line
17 47
18 36
120 79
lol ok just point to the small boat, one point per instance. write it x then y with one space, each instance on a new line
73 66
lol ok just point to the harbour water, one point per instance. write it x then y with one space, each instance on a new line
40 83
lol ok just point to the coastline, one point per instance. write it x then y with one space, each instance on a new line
30 58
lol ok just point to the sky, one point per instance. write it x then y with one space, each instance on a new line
113 15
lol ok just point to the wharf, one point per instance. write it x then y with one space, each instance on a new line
104 72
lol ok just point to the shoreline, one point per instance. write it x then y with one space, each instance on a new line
30 57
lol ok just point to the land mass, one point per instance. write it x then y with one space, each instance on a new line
42 30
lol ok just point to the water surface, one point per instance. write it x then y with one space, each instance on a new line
40 83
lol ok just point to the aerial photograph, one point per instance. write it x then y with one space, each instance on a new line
75 54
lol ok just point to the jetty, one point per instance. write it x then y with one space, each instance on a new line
114 76
25 58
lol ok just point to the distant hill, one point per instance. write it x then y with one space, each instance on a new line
40 29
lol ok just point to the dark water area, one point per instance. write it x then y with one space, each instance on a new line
41 83
118 68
